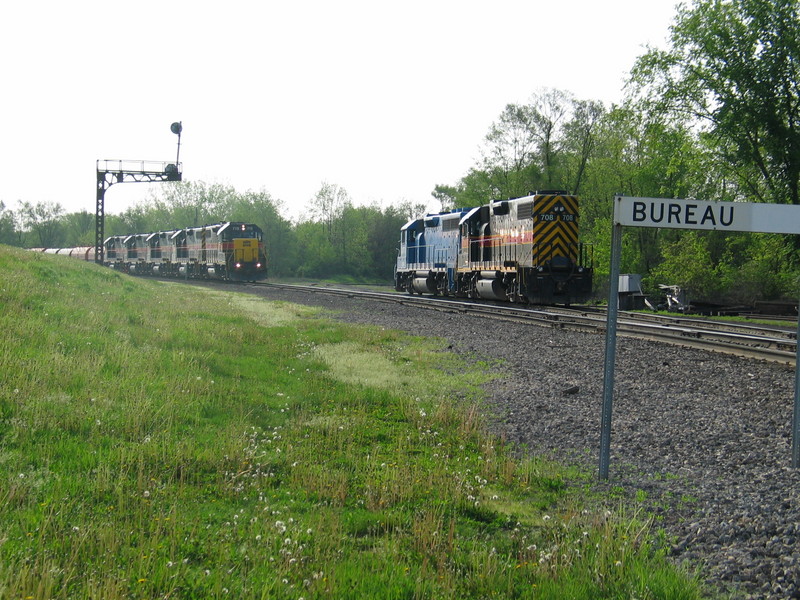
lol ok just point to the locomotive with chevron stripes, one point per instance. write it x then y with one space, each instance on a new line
520 250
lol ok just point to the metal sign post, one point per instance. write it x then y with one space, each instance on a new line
611 351
796 414
687 214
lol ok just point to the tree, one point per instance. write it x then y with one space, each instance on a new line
407 210
522 148
687 262
447 195
186 204
43 221
383 240
8 227
328 207
547 143
79 228
511 147
733 69
550 109
475 188
373 240
580 140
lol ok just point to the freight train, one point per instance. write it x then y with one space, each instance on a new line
519 250
229 251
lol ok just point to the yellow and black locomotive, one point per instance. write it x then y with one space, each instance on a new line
229 251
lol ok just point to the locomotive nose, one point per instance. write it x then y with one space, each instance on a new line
560 263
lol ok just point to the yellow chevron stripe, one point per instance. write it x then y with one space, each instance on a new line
555 239
568 230
546 203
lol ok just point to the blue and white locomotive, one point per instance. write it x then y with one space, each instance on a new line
520 250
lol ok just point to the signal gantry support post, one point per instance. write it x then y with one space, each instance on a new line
110 172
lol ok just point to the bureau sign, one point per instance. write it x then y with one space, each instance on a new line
702 214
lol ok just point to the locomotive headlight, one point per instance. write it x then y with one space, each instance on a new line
238 265
541 269
258 265
580 269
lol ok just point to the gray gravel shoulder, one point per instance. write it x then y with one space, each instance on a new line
706 437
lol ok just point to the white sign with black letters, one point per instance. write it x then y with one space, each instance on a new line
702 214
686 214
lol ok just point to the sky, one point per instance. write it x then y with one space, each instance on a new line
385 99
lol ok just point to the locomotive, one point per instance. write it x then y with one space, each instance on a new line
519 250
230 251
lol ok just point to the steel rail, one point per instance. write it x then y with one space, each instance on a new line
751 341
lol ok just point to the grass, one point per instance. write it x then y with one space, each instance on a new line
164 441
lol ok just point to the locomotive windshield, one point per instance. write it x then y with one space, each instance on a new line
233 231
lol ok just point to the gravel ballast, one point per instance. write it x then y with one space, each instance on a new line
704 437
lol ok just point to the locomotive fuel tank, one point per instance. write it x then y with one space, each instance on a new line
424 285
490 286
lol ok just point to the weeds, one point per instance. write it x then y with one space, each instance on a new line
158 440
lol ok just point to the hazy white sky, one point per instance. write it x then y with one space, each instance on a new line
385 99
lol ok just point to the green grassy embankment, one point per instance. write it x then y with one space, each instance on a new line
164 441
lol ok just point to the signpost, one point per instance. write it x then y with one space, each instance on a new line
687 214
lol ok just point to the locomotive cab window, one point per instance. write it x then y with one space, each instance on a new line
233 231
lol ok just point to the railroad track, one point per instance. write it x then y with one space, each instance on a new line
769 343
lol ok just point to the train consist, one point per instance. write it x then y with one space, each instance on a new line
228 251
520 250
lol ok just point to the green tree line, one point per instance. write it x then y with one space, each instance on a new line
334 239
714 116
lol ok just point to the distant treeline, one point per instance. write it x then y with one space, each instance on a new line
334 238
